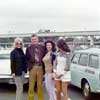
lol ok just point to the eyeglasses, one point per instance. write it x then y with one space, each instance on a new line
18 43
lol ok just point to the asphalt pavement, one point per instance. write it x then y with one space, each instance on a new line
7 92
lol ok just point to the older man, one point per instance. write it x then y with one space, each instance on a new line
34 53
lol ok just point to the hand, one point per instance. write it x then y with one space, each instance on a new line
53 75
13 75
59 75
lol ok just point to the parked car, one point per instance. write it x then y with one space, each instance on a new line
85 70
5 72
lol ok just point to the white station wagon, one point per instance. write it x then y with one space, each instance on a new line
85 70
5 72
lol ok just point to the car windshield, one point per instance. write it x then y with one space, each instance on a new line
4 56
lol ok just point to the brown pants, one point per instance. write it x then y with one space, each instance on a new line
36 74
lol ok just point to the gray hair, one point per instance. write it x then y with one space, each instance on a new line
16 40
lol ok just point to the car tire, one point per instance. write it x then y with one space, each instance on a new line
86 91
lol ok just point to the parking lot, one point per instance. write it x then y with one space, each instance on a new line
7 92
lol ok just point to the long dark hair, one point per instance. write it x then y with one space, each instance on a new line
53 45
61 44
53 55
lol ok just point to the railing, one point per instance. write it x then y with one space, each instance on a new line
9 45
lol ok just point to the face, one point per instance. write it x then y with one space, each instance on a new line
34 40
49 46
18 44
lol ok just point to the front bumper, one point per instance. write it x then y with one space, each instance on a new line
9 79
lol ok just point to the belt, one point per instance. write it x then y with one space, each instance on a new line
37 64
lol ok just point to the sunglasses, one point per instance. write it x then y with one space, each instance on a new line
18 43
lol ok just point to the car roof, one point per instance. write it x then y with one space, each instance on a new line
89 50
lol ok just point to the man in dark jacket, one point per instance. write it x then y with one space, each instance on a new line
34 54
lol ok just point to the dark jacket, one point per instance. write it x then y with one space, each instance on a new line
30 55
18 62
53 57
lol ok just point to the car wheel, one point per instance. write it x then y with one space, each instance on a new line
86 90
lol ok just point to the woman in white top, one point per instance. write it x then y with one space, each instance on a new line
62 70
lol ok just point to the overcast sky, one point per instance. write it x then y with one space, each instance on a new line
59 15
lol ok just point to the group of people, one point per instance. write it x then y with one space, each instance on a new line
48 61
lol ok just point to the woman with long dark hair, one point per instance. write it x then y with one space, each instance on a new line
62 70
48 62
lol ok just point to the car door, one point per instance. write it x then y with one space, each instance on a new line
78 65
93 72
82 65
73 67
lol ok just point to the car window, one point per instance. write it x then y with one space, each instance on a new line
75 58
94 61
4 56
83 59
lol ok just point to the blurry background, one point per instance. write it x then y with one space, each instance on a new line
18 16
